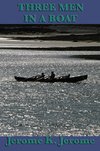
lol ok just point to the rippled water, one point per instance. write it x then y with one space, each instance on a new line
48 108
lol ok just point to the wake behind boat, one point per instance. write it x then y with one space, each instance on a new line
67 79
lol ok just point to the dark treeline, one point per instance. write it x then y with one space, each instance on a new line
30 29
24 29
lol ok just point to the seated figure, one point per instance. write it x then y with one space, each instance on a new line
68 75
40 76
52 75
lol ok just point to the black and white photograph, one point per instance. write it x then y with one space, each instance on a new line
50 80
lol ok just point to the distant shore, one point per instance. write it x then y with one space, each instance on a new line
90 48
86 57
52 42
64 37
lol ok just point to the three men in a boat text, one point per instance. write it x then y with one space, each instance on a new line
51 18
58 12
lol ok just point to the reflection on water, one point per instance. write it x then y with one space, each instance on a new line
48 108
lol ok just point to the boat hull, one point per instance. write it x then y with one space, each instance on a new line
59 79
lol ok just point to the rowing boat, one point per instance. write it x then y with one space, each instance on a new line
57 79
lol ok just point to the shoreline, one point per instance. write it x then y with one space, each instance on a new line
87 48
86 57
56 37
59 37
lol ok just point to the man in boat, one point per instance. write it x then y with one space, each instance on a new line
68 76
40 76
52 75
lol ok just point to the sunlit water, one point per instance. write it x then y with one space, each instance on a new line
48 108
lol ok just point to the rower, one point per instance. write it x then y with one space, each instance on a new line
68 76
52 75
40 76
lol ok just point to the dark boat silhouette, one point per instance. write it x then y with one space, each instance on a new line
57 79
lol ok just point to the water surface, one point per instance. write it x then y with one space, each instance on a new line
49 108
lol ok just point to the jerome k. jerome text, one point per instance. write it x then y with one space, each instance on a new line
47 140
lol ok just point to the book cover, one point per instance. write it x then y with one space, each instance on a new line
49 75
